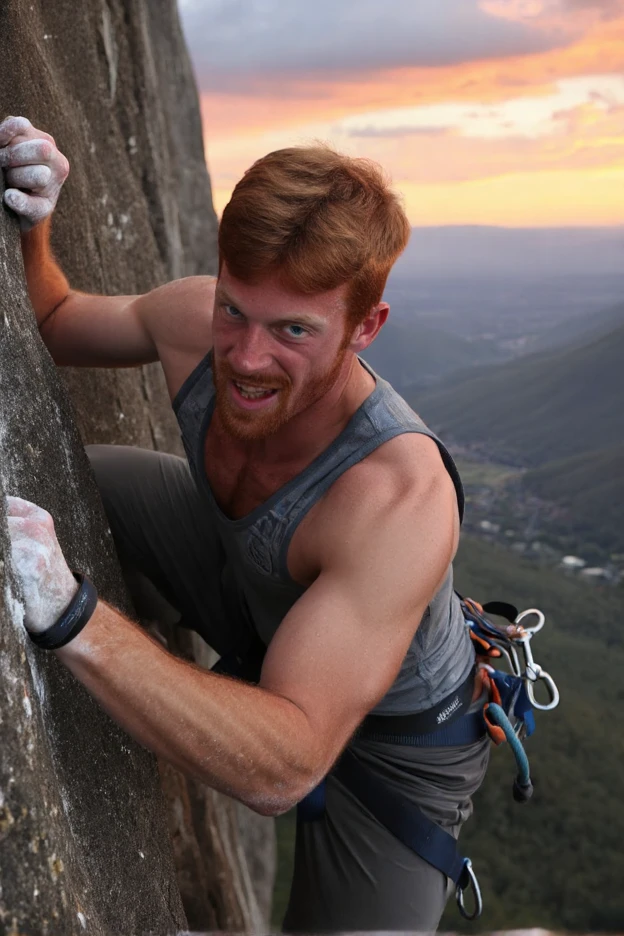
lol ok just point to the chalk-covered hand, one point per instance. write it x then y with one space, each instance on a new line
48 585
35 170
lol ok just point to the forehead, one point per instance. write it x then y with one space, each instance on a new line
270 298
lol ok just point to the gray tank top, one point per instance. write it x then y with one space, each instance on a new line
255 547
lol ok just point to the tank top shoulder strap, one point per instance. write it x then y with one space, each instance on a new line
191 405
381 417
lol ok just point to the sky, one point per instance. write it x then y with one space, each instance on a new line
503 112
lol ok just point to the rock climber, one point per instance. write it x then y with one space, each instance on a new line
308 536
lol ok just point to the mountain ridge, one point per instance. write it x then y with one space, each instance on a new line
545 406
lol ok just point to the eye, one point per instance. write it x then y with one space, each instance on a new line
296 331
231 311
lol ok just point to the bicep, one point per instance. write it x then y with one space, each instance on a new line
341 646
331 663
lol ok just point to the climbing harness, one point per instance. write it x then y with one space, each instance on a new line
507 715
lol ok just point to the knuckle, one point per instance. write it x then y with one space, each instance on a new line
45 150
45 518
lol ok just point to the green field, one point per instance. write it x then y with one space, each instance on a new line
485 474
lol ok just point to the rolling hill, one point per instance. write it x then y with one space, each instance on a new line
414 355
538 408
580 329
589 488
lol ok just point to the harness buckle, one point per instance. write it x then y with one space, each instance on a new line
467 880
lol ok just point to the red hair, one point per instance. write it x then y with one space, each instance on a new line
318 218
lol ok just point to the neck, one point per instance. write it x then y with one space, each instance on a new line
308 433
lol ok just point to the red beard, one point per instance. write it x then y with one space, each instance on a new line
250 425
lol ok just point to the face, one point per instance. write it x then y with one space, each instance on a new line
275 352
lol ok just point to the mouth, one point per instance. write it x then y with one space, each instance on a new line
251 397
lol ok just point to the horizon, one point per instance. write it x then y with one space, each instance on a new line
529 227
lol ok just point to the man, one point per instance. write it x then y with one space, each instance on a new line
316 519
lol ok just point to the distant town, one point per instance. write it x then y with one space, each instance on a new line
499 509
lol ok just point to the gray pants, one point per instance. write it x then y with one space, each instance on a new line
350 873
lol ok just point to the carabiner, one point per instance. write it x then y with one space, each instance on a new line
540 620
533 672
553 692
476 890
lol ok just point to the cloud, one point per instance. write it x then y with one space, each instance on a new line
393 132
235 44
608 9
278 104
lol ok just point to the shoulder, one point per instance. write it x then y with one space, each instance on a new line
397 501
184 302
178 317
407 469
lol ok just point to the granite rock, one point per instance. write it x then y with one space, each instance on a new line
111 80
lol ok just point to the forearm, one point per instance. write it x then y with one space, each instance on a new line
47 285
242 740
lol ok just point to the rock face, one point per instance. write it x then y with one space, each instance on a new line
111 80
83 836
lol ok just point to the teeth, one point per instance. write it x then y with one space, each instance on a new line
252 392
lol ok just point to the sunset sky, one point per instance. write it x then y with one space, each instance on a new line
482 111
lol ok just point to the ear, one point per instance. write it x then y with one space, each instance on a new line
366 332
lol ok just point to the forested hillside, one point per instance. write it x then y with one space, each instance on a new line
558 861
558 413
590 490
537 408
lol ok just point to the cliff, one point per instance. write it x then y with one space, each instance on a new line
79 803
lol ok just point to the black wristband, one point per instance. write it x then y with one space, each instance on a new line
77 614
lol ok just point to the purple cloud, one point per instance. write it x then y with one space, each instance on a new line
239 45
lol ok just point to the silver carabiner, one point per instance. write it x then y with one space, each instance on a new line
473 883
541 620
533 672
553 692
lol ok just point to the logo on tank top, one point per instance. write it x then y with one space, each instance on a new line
260 554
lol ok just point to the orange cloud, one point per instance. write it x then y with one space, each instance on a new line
306 100
570 172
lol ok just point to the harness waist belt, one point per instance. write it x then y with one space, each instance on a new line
399 728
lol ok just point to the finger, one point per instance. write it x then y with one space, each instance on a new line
29 153
12 127
20 536
17 527
29 177
18 507
33 207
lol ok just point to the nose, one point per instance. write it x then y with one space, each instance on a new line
251 351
